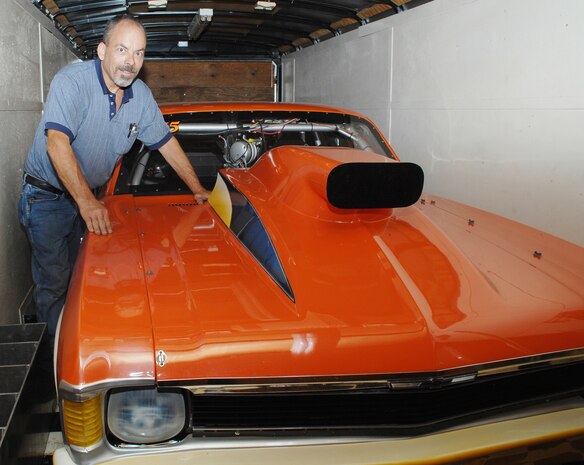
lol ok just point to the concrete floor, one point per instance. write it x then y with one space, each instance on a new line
54 442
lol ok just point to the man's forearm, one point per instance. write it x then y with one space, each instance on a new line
64 161
66 165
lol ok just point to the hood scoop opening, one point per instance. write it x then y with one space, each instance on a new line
374 185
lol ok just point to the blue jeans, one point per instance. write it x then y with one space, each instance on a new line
54 229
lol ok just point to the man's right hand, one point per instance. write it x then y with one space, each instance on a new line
96 216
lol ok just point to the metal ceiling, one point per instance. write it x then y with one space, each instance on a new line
236 30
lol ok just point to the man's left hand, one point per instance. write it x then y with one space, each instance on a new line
202 196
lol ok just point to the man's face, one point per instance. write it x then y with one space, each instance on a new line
123 55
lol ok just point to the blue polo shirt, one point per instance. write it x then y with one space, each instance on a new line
80 105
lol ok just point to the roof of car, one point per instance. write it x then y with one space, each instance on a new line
250 106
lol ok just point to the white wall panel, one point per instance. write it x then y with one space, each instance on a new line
486 95
349 71
287 80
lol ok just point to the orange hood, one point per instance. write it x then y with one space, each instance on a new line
375 291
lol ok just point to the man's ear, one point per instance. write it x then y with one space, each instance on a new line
101 51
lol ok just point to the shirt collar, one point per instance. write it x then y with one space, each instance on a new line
128 92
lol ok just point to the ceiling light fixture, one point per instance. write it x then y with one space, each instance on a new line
156 4
199 23
269 6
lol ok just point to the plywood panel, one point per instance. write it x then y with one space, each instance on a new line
181 81
213 94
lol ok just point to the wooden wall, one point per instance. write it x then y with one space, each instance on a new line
209 81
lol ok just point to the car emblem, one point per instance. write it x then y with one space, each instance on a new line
161 358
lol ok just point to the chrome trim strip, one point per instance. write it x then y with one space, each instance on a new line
291 387
86 391
399 381
85 450
538 361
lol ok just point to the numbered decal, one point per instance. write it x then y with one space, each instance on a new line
174 126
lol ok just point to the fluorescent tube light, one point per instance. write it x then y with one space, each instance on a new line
265 5
152 4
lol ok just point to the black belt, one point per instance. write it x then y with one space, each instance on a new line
42 185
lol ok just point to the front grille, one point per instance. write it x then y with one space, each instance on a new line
378 411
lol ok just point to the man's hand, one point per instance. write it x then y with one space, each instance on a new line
202 196
96 216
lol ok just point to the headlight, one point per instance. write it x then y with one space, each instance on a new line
145 416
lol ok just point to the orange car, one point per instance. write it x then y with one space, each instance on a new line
318 309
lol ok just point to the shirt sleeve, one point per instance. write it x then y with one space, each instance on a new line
62 110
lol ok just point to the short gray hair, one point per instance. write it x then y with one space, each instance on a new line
107 32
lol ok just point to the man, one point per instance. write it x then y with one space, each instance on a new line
95 110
